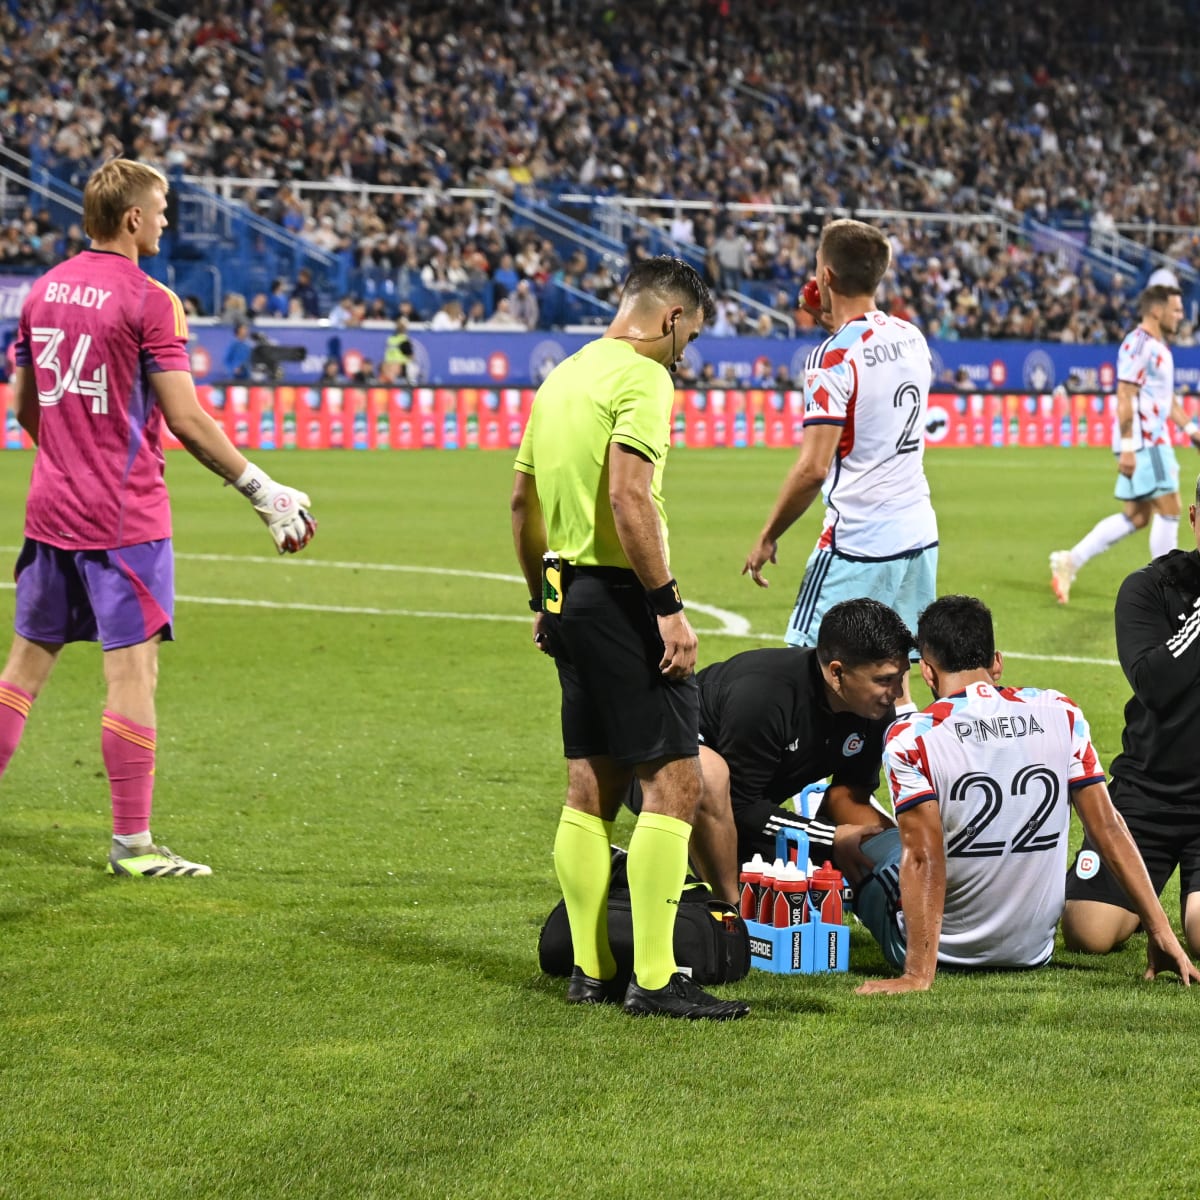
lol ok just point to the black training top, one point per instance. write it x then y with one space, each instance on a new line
1158 642
765 712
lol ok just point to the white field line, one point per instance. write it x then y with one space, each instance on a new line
733 625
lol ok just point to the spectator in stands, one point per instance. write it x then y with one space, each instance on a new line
1083 137
730 258
727 320
342 314
524 304
365 375
331 374
235 310
236 361
306 294
449 316
505 275
502 317
277 301
683 228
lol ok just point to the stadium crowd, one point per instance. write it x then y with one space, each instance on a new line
1003 110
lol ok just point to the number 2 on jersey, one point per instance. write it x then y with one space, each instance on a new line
908 393
71 381
968 842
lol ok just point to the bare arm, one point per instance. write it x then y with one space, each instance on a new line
1110 835
800 489
635 515
1189 425
529 530
849 808
1126 399
529 538
25 392
201 436
639 529
923 894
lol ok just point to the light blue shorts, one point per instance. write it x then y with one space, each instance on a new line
877 898
1155 473
908 584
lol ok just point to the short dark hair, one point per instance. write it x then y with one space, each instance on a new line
862 631
955 633
1160 293
670 277
858 254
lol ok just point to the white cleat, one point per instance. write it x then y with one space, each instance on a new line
1062 575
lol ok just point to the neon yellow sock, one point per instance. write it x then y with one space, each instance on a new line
657 865
583 861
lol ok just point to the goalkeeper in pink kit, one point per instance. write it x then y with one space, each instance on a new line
101 364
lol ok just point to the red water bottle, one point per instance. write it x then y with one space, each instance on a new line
825 894
766 899
751 881
791 897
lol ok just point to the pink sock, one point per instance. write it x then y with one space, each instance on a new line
14 708
129 759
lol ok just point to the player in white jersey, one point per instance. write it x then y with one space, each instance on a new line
980 782
866 393
1147 471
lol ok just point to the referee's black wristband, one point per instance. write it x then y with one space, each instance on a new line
535 605
665 600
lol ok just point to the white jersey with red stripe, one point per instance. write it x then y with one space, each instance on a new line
1000 764
871 379
1146 362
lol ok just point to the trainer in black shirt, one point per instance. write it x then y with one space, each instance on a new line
1156 777
774 721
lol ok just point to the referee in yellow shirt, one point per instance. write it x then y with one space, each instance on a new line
588 488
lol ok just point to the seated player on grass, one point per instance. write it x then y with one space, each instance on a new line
975 874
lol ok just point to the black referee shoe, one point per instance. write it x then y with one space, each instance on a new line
681 998
583 989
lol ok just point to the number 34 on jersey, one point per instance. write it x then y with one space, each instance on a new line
51 350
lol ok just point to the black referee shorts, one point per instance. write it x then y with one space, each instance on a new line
615 702
1168 836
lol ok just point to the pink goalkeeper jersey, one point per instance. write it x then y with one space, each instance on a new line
94 329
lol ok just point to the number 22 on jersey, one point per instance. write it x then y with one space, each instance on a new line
71 380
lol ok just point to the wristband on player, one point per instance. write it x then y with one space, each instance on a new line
252 482
1192 428
665 600
1128 445
535 604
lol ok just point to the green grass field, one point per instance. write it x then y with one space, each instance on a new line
351 1007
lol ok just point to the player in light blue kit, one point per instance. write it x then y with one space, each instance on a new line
1147 471
866 391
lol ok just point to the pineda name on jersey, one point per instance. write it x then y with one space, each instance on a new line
981 729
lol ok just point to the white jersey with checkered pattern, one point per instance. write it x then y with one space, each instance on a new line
871 379
1000 764
1146 362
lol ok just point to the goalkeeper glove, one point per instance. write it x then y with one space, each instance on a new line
283 509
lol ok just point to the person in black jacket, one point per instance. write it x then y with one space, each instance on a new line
1156 777
773 721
